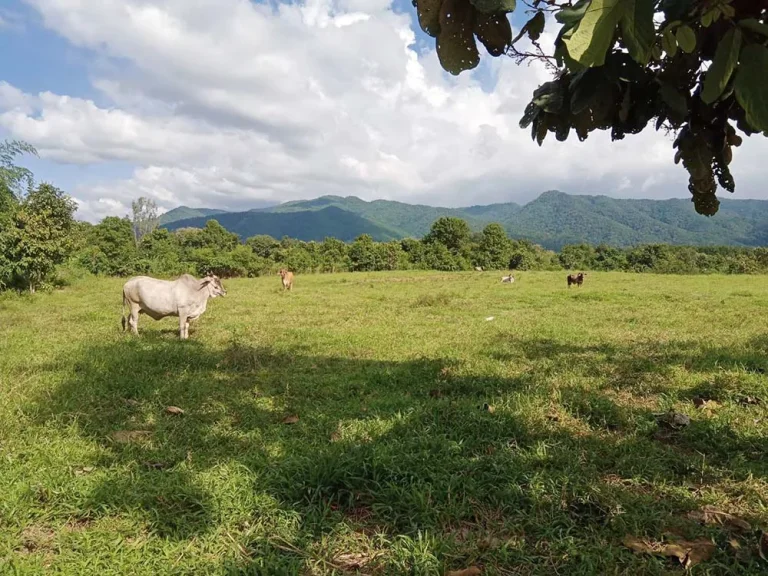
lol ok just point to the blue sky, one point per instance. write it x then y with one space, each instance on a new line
49 62
131 112
36 59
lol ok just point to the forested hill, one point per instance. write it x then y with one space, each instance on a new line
185 213
302 225
553 219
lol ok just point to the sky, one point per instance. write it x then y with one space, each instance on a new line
236 104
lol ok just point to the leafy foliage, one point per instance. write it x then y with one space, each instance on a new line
453 233
37 237
15 180
696 67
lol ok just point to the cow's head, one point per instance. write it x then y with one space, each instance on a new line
283 272
213 285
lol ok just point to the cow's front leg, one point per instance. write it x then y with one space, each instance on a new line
183 326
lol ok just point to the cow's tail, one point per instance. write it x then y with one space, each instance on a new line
125 301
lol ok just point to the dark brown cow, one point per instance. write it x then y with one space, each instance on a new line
577 279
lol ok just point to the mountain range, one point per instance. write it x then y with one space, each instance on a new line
552 220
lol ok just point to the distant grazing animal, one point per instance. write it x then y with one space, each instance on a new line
185 297
287 279
577 279
478 269
508 279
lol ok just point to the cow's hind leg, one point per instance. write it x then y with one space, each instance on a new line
133 319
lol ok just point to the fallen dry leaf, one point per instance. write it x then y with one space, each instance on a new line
688 553
292 419
83 470
174 410
155 465
712 516
740 553
701 551
127 436
335 437
705 404
352 560
489 543
749 401
471 571
132 402
762 546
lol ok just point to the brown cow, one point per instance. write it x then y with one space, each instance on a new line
577 279
287 279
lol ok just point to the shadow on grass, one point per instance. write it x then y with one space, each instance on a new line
397 448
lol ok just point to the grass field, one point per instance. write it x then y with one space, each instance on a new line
395 465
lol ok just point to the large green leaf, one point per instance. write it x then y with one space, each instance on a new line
637 29
594 35
754 26
494 31
719 73
456 48
572 15
750 87
675 100
686 39
428 12
669 43
583 88
535 26
494 6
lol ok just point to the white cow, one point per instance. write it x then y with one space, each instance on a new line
185 297
510 279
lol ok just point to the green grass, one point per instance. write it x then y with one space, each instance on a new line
393 457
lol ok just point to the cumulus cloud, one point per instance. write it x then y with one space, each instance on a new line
228 103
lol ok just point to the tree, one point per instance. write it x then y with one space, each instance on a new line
15 181
493 250
694 67
453 233
333 255
111 250
215 236
38 236
577 257
145 218
263 245
363 256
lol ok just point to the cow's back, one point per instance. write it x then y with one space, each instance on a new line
154 296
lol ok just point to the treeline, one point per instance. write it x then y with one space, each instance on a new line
38 233
110 248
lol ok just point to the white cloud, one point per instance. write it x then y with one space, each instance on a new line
228 102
